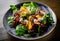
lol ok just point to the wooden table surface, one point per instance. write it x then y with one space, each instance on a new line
54 5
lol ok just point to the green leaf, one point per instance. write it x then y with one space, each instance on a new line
50 18
20 29
24 28
13 8
11 17
48 14
26 4
44 20
31 6
33 10
19 32
10 20
27 35
38 28
24 15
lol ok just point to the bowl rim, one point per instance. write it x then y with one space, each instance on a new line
38 36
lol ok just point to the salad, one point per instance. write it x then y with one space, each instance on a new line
29 20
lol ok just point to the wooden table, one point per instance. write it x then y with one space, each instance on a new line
55 6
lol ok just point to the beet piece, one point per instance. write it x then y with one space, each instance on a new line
43 25
34 29
16 20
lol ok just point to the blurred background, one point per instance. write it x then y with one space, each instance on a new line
53 4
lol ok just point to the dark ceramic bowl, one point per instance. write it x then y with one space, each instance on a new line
11 31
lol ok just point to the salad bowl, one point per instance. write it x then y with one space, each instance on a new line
12 30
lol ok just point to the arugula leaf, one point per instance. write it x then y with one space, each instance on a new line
20 29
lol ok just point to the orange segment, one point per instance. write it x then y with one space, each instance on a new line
29 25
37 23
38 16
24 9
